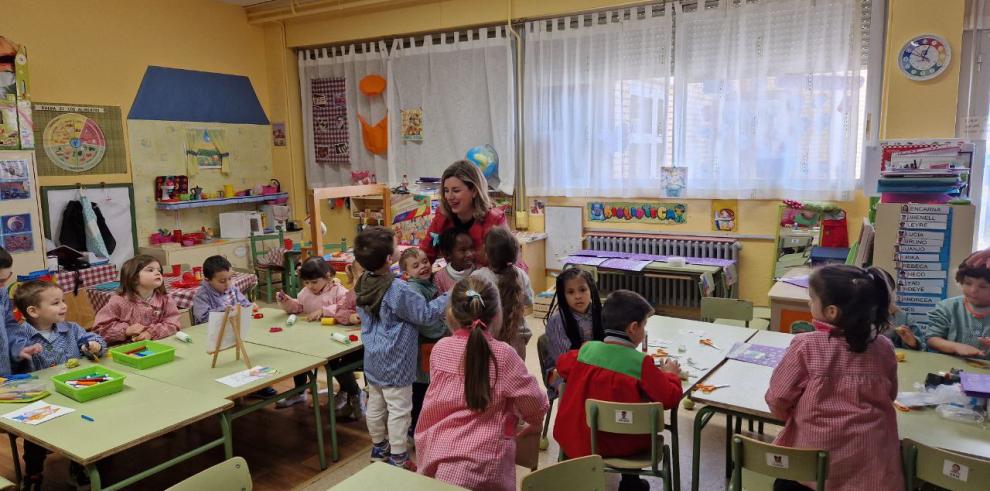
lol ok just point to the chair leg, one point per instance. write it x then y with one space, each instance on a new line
268 291
544 441
668 476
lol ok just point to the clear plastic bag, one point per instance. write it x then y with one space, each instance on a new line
961 414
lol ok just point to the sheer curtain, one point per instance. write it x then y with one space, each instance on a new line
337 71
766 99
596 95
464 84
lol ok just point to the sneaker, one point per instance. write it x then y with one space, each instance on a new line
401 460
380 451
291 401
78 476
411 438
632 482
265 393
357 404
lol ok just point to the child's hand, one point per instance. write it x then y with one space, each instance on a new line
907 337
314 316
134 329
30 351
93 347
671 366
969 351
531 430
553 377
144 336
985 342
281 296
355 319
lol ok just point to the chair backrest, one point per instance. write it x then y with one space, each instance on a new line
258 247
340 246
543 353
795 464
230 475
581 474
627 418
726 308
944 469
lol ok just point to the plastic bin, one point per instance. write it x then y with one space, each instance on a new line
83 394
160 354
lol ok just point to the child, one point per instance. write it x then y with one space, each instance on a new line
417 268
458 251
900 331
6 269
961 325
7 314
390 309
514 289
321 296
576 320
47 340
215 293
142 309
613 370
835 387
479 391
347 311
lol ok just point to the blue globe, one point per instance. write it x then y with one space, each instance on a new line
486 158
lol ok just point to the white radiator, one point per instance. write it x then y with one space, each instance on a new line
661 290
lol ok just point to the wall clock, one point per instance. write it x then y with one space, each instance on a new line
925 57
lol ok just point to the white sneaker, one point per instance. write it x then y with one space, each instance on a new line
291 401
358 404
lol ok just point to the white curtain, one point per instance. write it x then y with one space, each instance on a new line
766 99
596 103
347 63
465 86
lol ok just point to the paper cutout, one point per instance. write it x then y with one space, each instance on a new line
412 124
673 181
15 233
626 212
725 215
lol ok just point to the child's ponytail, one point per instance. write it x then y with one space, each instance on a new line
862 297
502 250
473 305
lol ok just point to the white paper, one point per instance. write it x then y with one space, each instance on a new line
955 470
228 341
777 460
37 412
623 416
245 377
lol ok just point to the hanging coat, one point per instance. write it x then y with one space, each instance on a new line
73 232
94 240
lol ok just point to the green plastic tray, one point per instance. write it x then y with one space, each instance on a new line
116 384
163 353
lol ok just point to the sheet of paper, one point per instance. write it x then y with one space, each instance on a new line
37 412
245 377
213 329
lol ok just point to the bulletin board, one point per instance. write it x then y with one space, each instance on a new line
116 202
564 233
74 139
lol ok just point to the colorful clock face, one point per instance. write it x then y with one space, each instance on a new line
925 57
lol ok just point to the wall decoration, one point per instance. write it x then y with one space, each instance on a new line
15 180
79 139
673 180
626 212
278 134
412 124
725 215
206 149
15 230
330 135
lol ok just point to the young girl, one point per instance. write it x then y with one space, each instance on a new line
347 310
479 389
835 387
458 251
321 296
141 310
900 331
514 289
576 320
961 325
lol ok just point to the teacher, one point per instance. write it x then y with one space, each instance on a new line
465 205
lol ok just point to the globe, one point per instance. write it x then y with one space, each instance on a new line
486 158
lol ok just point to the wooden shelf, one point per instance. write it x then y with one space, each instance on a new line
203 203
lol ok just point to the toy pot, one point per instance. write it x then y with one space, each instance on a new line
176 269
228 191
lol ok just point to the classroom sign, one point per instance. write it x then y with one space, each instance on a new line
626 212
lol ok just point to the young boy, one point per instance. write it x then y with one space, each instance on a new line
9 324
961 325
417 269
613 370
47 340
390 309
458 251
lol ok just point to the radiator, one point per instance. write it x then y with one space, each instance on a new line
681 293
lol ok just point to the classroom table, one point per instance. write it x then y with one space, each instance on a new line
191 370
144 410
312 339
698 360
788 302
383 476
100 294
748 383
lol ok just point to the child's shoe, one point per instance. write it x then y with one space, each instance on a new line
78 476
31 483
380 451
401 460
357 404
291 401
265 393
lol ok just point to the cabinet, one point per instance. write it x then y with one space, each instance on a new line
237 251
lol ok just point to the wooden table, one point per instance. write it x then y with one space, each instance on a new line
383 476
789 303
191 370
312 339
698 360
748 384
144 410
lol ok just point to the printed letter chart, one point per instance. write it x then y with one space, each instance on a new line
922 259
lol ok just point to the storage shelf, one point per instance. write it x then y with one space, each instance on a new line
203 203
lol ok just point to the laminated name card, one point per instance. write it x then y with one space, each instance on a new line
918 249
920 266
918 257
924 225
914 208
917 299
914 217
921 234
922 274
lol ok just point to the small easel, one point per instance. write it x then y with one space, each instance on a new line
235 324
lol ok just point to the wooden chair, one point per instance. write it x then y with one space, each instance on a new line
230 475
768 462
713 308
260 244
942 468
581 474
645 418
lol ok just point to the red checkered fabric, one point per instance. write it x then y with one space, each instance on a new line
330 135
183 297
66 280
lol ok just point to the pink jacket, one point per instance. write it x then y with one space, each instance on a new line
160 315
329 301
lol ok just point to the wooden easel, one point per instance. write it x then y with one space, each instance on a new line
238 346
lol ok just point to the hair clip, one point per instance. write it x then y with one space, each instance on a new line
476 322
436 238
474 294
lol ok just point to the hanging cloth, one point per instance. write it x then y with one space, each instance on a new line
73 232
94 241
105 232
375 137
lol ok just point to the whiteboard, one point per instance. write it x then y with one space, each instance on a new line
564 233
116 204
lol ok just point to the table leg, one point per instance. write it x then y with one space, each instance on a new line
17 460
315 391
700 420
228 441
675 447
94 477
332 409
728 441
